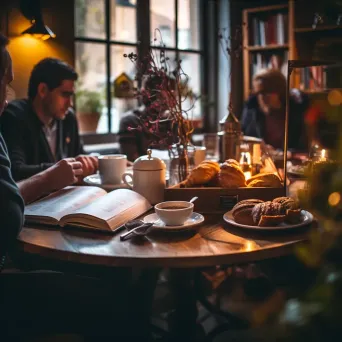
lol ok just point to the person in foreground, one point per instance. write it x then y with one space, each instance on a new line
45 302
264 112
42 130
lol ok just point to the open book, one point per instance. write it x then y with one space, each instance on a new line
88 207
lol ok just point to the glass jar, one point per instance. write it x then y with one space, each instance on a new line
181 163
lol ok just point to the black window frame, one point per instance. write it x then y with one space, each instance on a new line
208 29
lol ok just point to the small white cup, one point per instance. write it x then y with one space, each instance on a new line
180 212
112 167
200 154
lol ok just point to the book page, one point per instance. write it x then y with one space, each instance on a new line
62 202
111 210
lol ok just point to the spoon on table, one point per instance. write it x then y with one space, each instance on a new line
137 227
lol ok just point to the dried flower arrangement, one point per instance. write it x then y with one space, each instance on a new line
164 102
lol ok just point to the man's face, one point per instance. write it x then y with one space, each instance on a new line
6 80
56 102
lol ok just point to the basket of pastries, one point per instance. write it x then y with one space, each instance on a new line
228 175
220 186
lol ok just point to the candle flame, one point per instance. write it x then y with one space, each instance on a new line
323 154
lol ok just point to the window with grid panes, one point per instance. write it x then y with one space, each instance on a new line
105 30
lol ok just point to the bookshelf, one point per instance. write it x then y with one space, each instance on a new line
299 41
265 41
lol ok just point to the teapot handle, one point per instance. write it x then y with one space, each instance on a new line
128 183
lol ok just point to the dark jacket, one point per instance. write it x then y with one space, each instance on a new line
28 148
253 121
11 203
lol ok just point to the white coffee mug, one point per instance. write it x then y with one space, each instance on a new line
112 167
200 154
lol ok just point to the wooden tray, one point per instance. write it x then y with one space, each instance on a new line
220 200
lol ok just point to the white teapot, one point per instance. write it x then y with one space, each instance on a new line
148 178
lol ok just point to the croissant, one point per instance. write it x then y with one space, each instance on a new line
231 175
202 174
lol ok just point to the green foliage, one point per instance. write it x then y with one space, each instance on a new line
88 102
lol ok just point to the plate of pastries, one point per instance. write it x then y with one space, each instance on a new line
280 213
227 175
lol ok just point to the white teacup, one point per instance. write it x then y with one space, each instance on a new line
112 167
174 213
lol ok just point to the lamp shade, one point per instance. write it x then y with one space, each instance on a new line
124 3
39 30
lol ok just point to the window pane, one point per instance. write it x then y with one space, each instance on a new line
123 20
91 68
90 18
191 64
188 24
119 65
163 18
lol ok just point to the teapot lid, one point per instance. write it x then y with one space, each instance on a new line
149 163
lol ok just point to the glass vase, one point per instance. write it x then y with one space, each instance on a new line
181 163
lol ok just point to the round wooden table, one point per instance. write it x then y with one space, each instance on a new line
212 243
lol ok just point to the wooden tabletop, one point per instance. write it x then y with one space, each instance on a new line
212 243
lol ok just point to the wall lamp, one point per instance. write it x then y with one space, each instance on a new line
31 10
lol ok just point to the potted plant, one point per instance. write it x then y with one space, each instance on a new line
88 110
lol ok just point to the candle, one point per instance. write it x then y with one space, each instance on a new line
248 174
245 163
323 158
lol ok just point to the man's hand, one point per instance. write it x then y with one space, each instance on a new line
56 177
89 164
63 173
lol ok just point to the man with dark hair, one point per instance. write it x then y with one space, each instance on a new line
41 130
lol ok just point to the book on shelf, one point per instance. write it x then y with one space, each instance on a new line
261 61
312 78
87 207
270 31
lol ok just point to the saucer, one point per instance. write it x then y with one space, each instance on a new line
95 180
194 220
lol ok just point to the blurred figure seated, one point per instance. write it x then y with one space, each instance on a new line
134 136
41 130
264 112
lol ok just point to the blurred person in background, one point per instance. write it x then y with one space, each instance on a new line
264 112
133 138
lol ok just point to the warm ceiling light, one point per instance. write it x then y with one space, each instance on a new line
39 30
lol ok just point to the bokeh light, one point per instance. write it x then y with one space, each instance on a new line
334 199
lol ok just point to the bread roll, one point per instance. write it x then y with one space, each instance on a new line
290 208
271 211
242 212
268 180
231 175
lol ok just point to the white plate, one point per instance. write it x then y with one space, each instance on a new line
194 220
95 180
306 218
